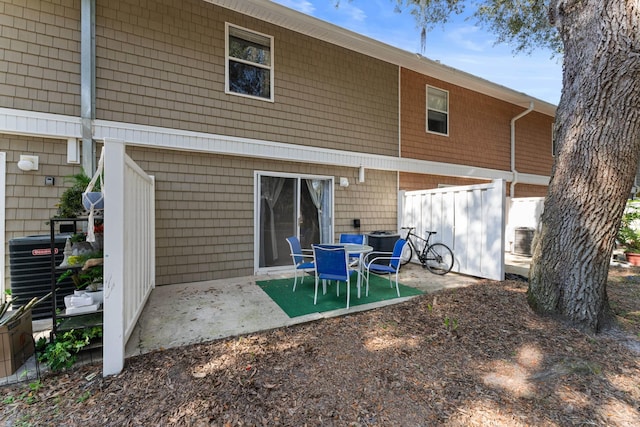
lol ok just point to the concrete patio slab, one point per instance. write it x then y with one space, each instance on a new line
189 313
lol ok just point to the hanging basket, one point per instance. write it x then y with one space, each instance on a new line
93 200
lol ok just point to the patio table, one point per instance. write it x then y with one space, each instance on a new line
360 250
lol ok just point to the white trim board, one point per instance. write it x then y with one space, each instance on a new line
60 126
45 125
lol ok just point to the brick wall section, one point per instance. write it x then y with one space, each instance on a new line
29 203
205 209
479 129
40 56
162 63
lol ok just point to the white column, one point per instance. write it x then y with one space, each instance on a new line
114 258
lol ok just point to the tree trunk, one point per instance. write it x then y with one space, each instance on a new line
597 134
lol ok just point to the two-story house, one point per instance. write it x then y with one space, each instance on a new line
256 121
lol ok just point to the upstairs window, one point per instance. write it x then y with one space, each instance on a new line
437 111
249 58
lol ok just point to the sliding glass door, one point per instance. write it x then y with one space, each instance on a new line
289 205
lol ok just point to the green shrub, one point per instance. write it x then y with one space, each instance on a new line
62 352
629 231
70 205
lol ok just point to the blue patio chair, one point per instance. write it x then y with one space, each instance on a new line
357 239
332 263
302 259
393 258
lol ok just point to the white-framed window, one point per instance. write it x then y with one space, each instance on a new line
437 111
249 63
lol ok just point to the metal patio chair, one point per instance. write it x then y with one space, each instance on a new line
332 263
302 259
357 239
393 267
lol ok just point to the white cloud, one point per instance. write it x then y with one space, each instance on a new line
303 6
468 37
355 13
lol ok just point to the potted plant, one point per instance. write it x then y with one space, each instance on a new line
88 279
629 232
70 205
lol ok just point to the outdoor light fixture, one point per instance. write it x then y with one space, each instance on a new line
361 174
28 163
344 182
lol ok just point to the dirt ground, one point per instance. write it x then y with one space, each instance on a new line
473 356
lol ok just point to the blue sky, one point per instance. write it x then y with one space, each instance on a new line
459 44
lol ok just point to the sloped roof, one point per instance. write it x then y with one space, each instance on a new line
277 14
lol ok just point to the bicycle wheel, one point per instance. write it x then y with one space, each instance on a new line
407 254
439 259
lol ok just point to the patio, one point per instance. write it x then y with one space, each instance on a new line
183 314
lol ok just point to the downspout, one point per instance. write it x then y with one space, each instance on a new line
88 83
399 195
514 181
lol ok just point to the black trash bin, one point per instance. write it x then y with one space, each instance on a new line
30 269
382 241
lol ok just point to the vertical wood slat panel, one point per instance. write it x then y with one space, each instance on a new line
469 219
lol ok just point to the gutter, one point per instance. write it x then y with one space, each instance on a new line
514 181
88 82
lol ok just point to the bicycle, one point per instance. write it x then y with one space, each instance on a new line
436 257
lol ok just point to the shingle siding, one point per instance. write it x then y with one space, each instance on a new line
155 69
479 133
205 209
161 63
40 56
29 203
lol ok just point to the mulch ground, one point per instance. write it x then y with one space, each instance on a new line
473 356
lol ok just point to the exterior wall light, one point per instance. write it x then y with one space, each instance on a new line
28 163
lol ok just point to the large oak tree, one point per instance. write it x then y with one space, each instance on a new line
597 136
598 140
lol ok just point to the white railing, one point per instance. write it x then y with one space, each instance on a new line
140 264
469 219
129 250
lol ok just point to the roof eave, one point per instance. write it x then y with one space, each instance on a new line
277 14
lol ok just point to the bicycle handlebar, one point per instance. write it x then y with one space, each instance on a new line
413 228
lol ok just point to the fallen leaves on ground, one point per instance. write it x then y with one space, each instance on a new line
472 356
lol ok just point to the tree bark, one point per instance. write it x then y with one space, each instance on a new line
597 134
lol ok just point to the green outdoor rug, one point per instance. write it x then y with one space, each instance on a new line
300 302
